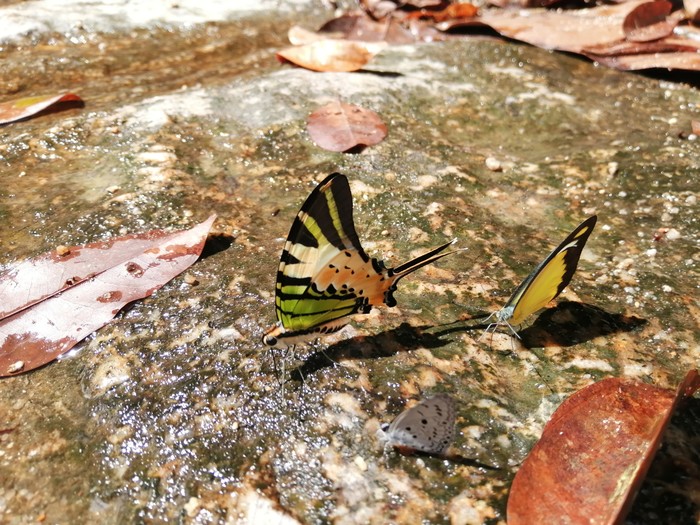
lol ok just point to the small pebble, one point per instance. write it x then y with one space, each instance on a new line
191 279
62 250
493 164
360 463
15 367
672 234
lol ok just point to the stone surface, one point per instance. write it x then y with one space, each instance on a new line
175 411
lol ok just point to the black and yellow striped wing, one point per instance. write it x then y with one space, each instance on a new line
549 278
320 266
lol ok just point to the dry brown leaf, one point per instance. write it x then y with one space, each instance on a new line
649 22
331 55
571 30
341 127
692 9
362 28
594 453
58 299
23 108
681 60
451 12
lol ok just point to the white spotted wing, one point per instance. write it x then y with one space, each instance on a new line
427 427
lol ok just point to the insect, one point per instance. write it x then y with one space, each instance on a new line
427 427
546 281
324 275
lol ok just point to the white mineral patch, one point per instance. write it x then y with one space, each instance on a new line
252 507
157 111
589 364
45 16
637 370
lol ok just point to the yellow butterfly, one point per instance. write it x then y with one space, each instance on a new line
546 281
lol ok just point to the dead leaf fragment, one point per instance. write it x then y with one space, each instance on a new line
93 289
340 127
648 22
22 108
692 9
594 453
569 30
451 12
331 55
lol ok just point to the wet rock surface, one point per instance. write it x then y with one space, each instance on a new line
175 411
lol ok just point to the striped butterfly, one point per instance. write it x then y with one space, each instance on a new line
546 281
325 276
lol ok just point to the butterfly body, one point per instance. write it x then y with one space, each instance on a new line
547 280
325 276
428 426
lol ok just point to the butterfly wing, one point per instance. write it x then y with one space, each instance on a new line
426 427
312 288
551 276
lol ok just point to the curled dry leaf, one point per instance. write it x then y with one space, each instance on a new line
341 127
679 60
570 30
594 453
362 28
649 22
95 281
451 12
22 108
331 55
692 10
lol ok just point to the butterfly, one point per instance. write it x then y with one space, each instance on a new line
546 281
427 427
324 275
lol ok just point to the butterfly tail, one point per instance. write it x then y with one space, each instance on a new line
411 266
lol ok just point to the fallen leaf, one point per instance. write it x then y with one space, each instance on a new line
648 22
594 453
391 30
362 28
692 8
422 3
67 297
379 9
22 108
341 127
451 12
681 60
331 55
567 30
639 48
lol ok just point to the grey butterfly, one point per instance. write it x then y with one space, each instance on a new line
427 427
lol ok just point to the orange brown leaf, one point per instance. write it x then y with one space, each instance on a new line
331 55
594 453
23 108
341 127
